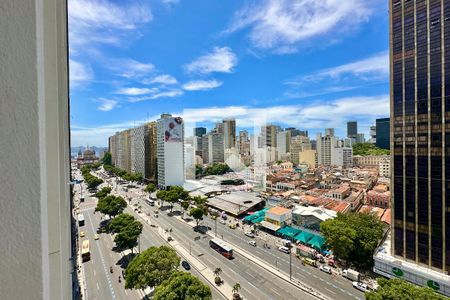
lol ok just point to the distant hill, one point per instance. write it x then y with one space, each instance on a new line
74 150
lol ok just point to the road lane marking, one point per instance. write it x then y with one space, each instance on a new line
103 263
98 287
334 293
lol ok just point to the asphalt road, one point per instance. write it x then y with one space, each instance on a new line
100 283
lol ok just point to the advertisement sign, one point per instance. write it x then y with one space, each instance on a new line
173 130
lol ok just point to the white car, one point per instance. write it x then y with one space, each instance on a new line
325 269
250 234
284 249
222 221
253 243
360 286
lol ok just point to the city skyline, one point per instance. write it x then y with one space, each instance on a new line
134 71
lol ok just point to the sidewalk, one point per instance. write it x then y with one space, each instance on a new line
267 266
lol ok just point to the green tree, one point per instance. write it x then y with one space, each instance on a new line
185 205
217 271
365 149
197 213
103 192
172 197
111 205
235 290
198 171
353 236
107 158
161 195
128 236
199 200
217 169
150 188
151 267
120 222
398 289
182 286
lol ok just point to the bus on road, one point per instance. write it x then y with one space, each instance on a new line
221 247
80 220
85 251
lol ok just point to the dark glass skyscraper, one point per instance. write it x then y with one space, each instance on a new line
420 135
352 129
383 133
199 131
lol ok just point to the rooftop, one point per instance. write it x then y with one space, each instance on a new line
278 210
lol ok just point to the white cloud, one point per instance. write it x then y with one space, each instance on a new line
373 67
315 116
102 21
107 104
130 68
79 73
162 79
134 91
219 60
157 94
282 24
201 85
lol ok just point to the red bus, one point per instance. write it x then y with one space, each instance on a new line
221 247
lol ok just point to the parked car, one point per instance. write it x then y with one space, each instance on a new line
232 226
360 286
185 265
96 237
325 269
284 249
250 234
253 243
82 234
222 221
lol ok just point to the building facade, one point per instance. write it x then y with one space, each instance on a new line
383 133
420 112
283 144
352 129
229 134
170 151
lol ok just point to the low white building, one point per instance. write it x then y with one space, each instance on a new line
311 217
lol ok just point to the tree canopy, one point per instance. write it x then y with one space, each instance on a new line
123 174
365 149
150 188
398 289
353 236
127 229
107 158
103 192
182 286
120 222
213 169
197 213
151 267
111 205
91 180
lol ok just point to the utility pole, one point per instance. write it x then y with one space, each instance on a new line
215 225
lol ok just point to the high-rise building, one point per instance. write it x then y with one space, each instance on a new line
324 146
244 143
199 131
283 144
373 134
298 144
352 129
229 133
216 149
296 132
329 131
420 106
170 151
360 138
269 136
383 133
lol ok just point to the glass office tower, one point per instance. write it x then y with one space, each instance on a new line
420 131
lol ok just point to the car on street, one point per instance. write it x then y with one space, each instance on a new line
96 237
360 286
325 269
82 234
253 243
284 249
185 265
232 226
250 234
222 221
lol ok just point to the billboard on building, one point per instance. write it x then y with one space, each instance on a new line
173 130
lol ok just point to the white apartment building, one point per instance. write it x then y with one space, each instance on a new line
385 167
170 151
342 156
324 146
283 143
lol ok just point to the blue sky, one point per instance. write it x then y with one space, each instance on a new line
309 64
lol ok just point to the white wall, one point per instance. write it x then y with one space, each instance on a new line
34 140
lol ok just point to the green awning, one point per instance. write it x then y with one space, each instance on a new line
304 237
258 220
316 242
288 231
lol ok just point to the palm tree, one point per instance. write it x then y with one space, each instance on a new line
235 291
217 272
